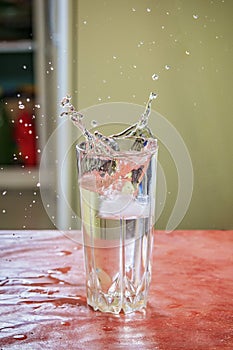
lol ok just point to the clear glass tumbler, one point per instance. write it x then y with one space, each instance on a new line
118 208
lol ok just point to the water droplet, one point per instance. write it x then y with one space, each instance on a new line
134 66
28 99
38 151
167 67
155 77
114 57
20 336
187 52
4 211
84 22
24 66
195 16
104 81
107 328
167 13
99 99
133 9
51 68
18 95
37 106
148 9
38 184
4 193
94 123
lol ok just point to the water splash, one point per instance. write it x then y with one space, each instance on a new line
108 145
140 129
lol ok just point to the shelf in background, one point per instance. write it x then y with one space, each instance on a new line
14 178
17 46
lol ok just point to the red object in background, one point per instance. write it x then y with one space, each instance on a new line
25 137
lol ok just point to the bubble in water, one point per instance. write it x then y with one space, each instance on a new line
18 95
187 52
133 9
24 66
28 99
4 193
4 211
134 66
167 67
114 57
84 22
38 184
148 9
21 106
195 16
155 77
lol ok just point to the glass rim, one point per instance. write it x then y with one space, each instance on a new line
150 148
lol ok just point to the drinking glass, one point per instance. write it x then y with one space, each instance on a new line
117 197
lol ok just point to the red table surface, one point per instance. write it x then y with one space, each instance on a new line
43 303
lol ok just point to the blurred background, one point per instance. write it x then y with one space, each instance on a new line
106 51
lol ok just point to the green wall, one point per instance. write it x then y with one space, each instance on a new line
121 44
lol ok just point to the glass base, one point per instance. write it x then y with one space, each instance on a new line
122 296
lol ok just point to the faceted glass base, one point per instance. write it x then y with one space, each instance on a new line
122 296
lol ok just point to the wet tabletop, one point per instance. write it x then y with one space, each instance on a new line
43 304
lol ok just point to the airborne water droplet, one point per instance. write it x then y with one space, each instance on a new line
94 123
4 193
187 52
195 16
155 77
24 66
167 67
